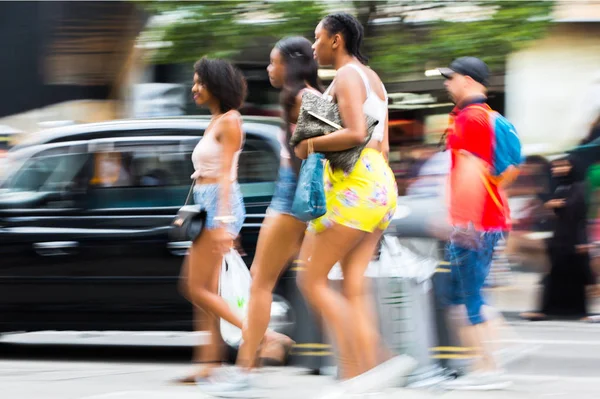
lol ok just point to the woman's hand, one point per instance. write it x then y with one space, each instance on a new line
223 241
301 150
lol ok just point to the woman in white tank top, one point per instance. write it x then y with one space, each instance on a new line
222 88
360 204
292 69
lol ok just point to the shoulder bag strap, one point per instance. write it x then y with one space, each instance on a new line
187 200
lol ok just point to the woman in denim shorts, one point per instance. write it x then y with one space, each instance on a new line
222 88
293 70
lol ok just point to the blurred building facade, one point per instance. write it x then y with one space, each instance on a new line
553 86
78 61
66 61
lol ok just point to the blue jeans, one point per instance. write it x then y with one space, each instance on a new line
207 196
285 190
470 266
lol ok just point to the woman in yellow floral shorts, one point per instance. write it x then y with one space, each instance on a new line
360 204
364 199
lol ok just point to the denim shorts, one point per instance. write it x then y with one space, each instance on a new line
285 190
469 268
207 196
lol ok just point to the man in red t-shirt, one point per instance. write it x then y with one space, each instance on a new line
478 212
475 198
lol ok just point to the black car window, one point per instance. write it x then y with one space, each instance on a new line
142 165
141 175
150 174
54 169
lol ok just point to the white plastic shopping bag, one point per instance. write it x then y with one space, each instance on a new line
234 288
408 258
336 271
396 260
373 270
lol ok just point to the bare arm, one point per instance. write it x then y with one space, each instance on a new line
385 144
350 103
230 138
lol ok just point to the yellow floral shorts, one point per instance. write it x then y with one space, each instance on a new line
365 199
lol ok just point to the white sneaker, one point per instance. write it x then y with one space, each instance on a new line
479 381
230 383
392 373
386 375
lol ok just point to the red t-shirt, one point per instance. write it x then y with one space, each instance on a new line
473 197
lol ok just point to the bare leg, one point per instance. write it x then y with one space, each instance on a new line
213 353
472 267
203 321
505 352
479 338
204 268
208 355
355 289
330 246
199 316
279 240
476 336
306 249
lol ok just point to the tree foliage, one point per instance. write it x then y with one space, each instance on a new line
225 28
418 32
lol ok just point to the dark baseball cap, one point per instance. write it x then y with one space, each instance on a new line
473 67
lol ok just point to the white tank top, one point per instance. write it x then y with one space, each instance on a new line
373 106
206 156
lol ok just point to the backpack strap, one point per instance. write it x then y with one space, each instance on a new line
488 187
492 114
487 180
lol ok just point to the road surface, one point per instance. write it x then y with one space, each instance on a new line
566 363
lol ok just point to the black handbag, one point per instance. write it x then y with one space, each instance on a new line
188 223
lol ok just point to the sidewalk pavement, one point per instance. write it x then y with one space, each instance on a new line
30 379
68 380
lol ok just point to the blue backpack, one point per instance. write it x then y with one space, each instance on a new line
507 145
507 152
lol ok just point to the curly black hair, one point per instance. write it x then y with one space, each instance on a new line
224 81
352 31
